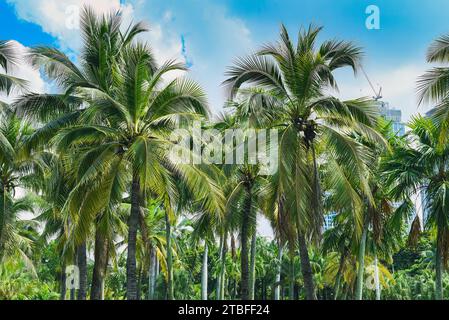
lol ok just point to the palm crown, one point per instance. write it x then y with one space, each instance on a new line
295 82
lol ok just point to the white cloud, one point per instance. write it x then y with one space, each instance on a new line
22 70
398 87
59 19
56 17
213 36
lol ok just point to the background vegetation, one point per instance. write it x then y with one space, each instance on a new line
86 178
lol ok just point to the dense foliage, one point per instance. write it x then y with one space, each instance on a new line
87 179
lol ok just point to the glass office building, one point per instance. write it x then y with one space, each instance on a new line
329 221
393 115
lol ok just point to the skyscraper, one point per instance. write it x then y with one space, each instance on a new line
393 115
329 221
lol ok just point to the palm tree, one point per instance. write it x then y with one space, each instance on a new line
376 212
295 80
136 138
245 201
155 226
20 235
54 190
433 85
103 43
109 226
18 168
339 240
14 162
422 166
8 59
204 226
245 193
127 114
383 223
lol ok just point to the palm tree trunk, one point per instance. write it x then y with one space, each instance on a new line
204 275
139 280
82 265
100 266
152 274
306 268
3 220
439 268
361 262
339 274
264 290
291 293
223 284
62 285
346 292
252 269
223 269
170 289
317 203
133 223
244 287
277 286
220 259
376 274
73 288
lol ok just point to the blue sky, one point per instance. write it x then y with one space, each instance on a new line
209 34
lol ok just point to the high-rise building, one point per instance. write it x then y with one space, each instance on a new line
393 115
329 221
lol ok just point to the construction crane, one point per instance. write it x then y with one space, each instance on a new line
377 94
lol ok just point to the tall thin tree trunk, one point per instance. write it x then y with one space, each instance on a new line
361 262
220 260
376 274
439 268
82 265
339 274
224 280
152 274
170 288
101 254
277 290
62 285
244 287
223 268
264 290
252 270
291 293
73 288
3 218
140 276
133 223
345 292
306 268
204 274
